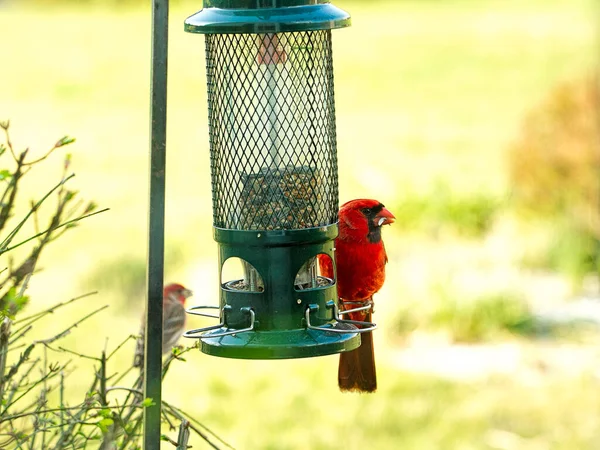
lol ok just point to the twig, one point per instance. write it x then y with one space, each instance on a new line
5 126
184 435
181 417
166 419
118 347
197 422
68 222
37 316
48 153
68 330
15 367
81 413
66 350
19 335
41 380
4 341
4 418
124 374
15 386
7 206
61 394
176 355
12 234
43 393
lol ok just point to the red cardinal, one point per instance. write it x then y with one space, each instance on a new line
174 296
360 259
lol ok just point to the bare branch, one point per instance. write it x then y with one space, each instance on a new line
52 229
12 234
39 315
68 330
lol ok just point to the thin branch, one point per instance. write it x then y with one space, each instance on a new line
65 434
68 330
19 335
51 310
66 350
131 336
15 367
15 386
12 234
64 224
41 380
4 343
176 356
200 433
5 126
35 161
191 418
4 418
7 207
184 435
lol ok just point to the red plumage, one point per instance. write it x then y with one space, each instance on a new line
174 297
360 260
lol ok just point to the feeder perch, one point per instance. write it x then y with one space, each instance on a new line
274 177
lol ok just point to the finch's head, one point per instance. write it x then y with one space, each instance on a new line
364 218
177 292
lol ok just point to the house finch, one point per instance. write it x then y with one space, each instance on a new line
360 260
174 296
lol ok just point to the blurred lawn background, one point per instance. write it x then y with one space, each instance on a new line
430 96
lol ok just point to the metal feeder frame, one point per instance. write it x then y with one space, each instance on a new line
274 177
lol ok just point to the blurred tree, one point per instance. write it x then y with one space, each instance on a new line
554 168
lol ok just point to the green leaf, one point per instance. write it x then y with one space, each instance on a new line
104 424
14 302
69 195
90 207
4 174
66 140
105 412
148 402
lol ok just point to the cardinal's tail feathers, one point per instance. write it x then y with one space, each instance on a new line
357 367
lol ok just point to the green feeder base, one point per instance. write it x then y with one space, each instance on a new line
278 344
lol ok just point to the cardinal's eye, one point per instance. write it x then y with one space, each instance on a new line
366 211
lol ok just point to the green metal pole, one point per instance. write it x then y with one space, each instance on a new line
156 224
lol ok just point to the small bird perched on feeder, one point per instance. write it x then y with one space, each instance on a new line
174 297
360 260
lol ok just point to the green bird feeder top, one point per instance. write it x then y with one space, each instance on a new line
266 16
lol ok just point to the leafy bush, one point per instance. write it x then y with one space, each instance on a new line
481 318
34 410
469 318
554 170
442 210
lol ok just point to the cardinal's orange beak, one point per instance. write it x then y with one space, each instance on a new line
384 218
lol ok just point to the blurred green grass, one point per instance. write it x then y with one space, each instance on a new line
426 92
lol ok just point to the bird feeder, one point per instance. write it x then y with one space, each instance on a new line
274 177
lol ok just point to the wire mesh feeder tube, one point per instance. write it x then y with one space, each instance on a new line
272 131
274 172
